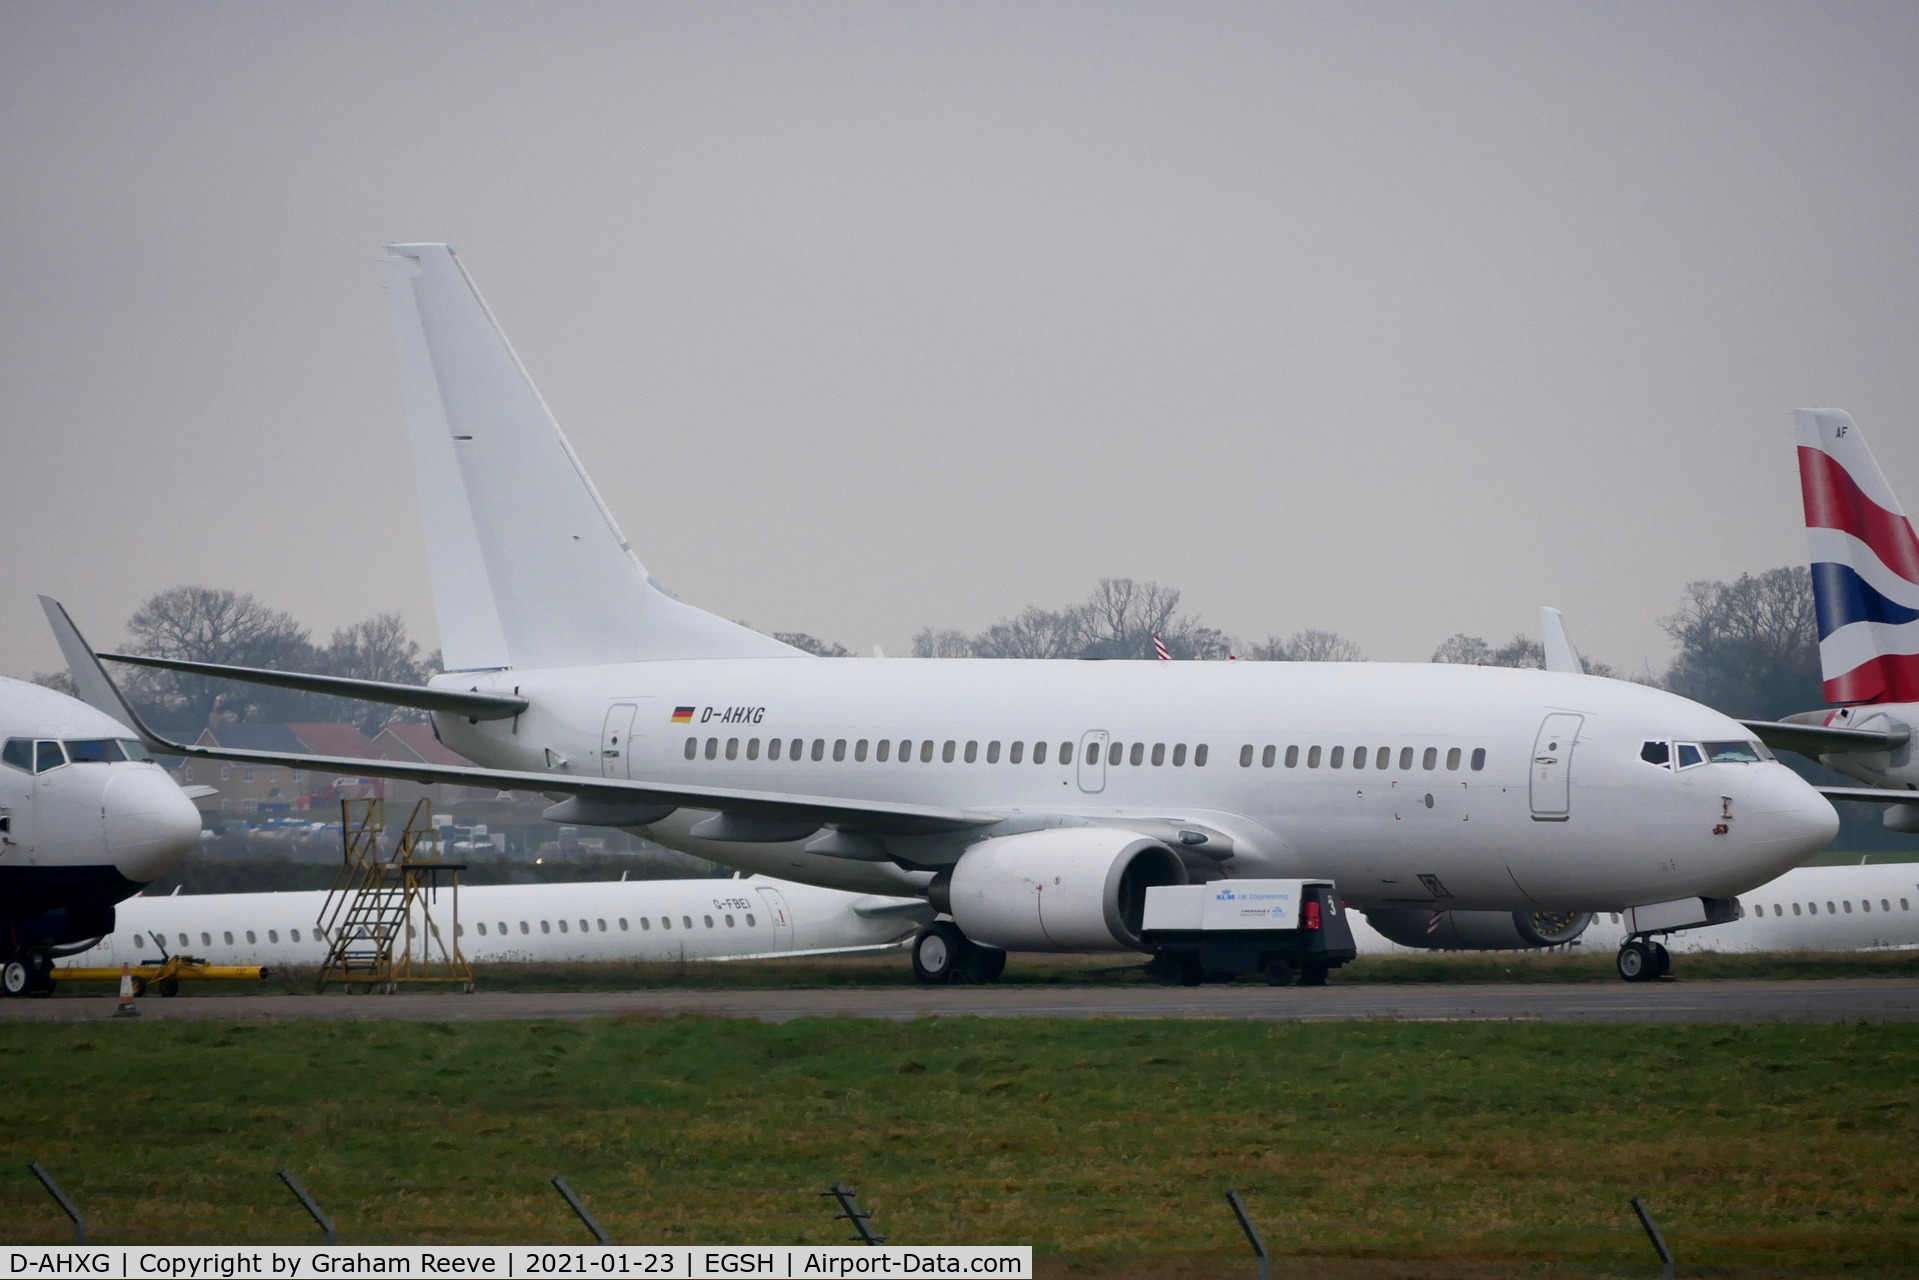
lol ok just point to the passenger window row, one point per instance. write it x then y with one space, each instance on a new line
925 749
1833 909
1363 757
646 924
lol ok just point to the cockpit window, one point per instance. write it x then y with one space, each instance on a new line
19 753
94 751
1690 755
134 750
1732 752
47 755
1659 753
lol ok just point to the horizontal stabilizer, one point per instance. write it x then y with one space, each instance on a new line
1869 795
478 706
1818 740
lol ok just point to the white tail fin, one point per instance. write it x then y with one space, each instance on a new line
1560 654
529 568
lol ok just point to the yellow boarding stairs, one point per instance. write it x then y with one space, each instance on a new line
382 920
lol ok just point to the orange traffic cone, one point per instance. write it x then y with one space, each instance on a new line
126 1009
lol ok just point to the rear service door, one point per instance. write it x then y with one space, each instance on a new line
1092 761
782 918
615 748
1552 767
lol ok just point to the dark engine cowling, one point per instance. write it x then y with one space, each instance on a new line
1062 889
1477 930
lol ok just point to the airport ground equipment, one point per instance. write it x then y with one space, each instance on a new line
579 1207
311 1205
850 1210
1217 931
379 920
60 1198
166 974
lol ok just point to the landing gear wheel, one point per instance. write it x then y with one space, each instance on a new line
1638 961
986 964
941 954
1662 959
1279 973
16 978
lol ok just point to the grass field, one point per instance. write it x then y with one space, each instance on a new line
896 970
1369 1150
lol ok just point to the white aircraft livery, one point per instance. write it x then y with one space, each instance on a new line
1031 803
1848 908
658 920
86 819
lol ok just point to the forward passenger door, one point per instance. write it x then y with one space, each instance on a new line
1552 767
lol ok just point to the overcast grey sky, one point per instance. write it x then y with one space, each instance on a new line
1395 319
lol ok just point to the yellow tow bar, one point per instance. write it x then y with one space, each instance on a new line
166 976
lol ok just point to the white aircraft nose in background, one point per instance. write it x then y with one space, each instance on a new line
150 823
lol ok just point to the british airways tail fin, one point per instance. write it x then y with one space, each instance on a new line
1865 564
529 567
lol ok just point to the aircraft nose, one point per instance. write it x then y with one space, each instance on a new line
150 824
1794 821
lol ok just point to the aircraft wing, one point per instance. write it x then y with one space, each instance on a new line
1869 795
611 799
1819 740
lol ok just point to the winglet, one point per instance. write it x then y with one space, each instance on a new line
90 679
1560 654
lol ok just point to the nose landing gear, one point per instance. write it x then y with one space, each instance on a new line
1643 960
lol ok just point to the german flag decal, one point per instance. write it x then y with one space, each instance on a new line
682 715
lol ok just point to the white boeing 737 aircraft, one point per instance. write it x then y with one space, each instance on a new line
86 819
1031 802
643 920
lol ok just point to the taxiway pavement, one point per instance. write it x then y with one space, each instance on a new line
1830 1001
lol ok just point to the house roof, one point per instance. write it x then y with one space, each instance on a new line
335 740
415 742
253 737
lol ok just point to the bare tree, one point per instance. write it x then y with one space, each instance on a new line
1035 633
202 624
1748 648
1520 651
949 643
810 644
1314 645
377 648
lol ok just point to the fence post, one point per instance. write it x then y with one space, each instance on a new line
60 1198
1658 1241
579 1207
1252 1234
307 1203
852 1212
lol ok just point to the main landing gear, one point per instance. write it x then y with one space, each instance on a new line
26 974
1643 960
942 956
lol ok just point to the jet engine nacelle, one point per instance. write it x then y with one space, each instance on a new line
1063 889
1478 930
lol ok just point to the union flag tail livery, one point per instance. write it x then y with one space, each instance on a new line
1865 565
